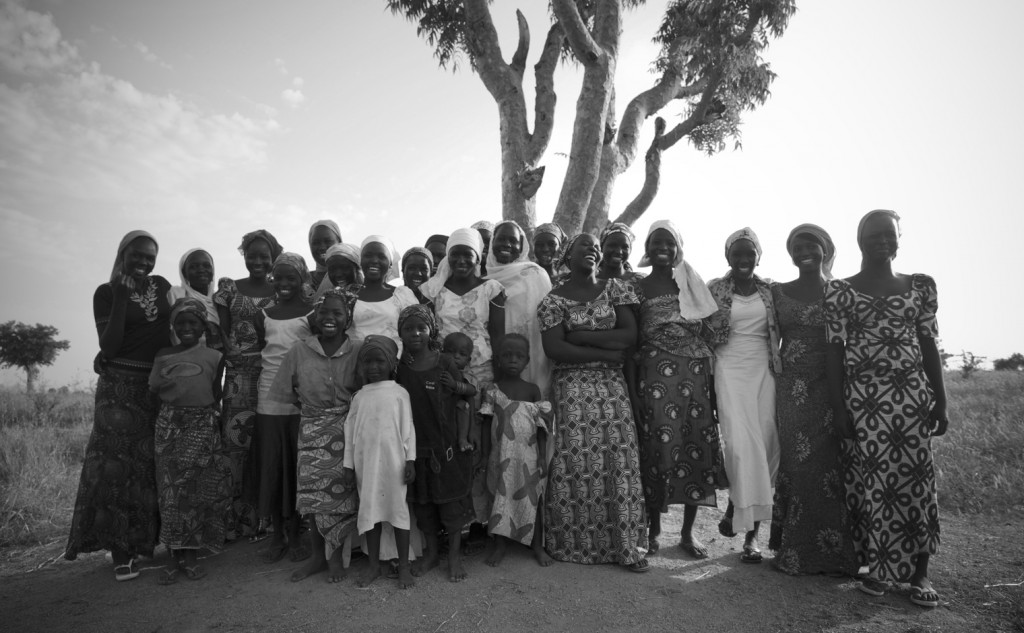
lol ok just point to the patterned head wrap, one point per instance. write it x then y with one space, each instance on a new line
563 260
695 300
417 250
295 261
188 305
389 250
870 214
266 236
820 236
551 229
384 344
425 314
746 233
346 294
483 225
436 237
617 227
460 237
118 269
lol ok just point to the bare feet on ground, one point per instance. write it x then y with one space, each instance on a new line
373 572
496 551
455 571
425 564
314 566
405 579
542 557
335 571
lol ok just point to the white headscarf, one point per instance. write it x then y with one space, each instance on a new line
695 300
186 290
349 252
389 249
431 288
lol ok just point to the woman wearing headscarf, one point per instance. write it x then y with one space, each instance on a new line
887 394
322 235
526 284
437 245
116 506
240 303
810 531
379 303
417 265
594 500
746 361
548 240
343 269
196 270
486 230
616 246
680 449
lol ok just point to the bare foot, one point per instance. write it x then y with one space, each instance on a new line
373 572
405 579
497 551
314 566
542 557
423 565
335 571
693 547
455 571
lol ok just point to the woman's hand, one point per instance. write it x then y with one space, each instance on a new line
938 422
348 477
410 472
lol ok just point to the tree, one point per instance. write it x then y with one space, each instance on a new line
710 58
29 347
1013 363
969 363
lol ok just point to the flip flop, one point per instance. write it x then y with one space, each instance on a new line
924 597
195 573
751 555
639 567
126 572
873 588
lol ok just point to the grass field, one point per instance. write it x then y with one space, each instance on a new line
43 437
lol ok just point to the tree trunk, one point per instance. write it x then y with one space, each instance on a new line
30 382
514 165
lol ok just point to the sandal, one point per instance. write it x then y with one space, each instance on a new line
725 527
392 572
750 555
639 567
170 577
923 597
126 572
195 573
873 588
653 546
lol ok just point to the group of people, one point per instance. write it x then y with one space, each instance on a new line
559 400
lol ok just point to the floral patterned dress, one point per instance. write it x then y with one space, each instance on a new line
890 479
810 530
594 502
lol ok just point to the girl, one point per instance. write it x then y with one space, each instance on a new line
196 270
342 269
380 454
277 424
444 464
379 303
322 235
416 267
193 472
746 361
116 507
319 374
437 245
548 240
239 304
516 467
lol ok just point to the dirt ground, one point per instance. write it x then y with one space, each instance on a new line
979 573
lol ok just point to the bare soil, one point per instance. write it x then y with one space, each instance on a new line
978 572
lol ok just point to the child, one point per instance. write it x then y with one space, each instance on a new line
277 424
444 468
460 348
319 373
516 468
193 472
197 282
380 454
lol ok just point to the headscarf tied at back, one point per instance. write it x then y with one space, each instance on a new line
870 214
551 229
299 264
746 233
118 269
425 314
417 250
483 225
349 252
612 229
382 343
389 250
436 237
470 237
186 289
347 296
330 225
823 239
266 236
695 300
563 260
188 305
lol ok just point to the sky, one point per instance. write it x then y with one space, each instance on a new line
199 121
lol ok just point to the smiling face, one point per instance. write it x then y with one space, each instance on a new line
199 270
880 238
586 254
807 254
375 262
545 247
188 328
437 250
322 239
661 248
513 356
615 250
341 270
258 259
374 365
463 261
139 258
415 334
416 271
287 282
332 318
742 259
506 244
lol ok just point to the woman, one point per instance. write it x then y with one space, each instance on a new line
486 230
323 234
887 391
746 359
196 270
525 285
810 532
416 267
594 500
680 451
437 245
116 507
342 269
378 303
616 245
548 240
239 305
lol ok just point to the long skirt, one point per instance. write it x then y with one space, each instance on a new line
193 475
595 501
277 445
238 426
321 491
116 506
680 449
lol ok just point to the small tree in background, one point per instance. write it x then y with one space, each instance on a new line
29 347
1013 363
944 356
969 363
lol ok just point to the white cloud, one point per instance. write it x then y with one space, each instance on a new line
281 66
30 43
293 96
151 57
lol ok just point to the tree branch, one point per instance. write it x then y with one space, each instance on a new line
544 101
582 44
699 113
652 179
518 64
482 42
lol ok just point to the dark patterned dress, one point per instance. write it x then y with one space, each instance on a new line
680 448
890 480
116 505
241 377
810 530
595 502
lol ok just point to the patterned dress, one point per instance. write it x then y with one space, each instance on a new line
513 470
238 420
810 530
890 480
594 502
680 448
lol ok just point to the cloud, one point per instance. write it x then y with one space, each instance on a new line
281 66
30 43
150 56
293 96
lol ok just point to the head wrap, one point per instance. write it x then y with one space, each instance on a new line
346 251
118 269
524 246
820 236
425 314
186 290
617 227
384 344
417 250
331 226
746 233
460 237
483 225
389 250
563 260
299 264
436 237
870 214
551 229
190 306
266 236
695 300
345 294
